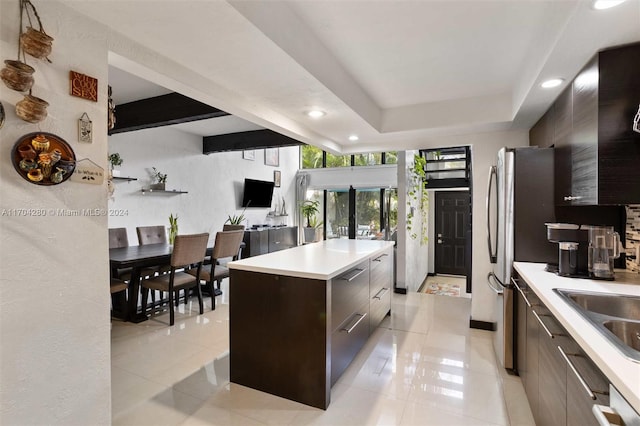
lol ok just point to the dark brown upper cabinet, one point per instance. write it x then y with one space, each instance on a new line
597 153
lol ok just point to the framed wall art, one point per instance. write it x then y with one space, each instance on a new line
276 178
272 157
249 154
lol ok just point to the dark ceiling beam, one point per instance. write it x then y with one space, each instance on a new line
239 141
164 110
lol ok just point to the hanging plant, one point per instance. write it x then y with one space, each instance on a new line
418 196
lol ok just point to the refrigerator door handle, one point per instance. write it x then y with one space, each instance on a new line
493 254
492 277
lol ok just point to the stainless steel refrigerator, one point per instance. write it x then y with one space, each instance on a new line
519 203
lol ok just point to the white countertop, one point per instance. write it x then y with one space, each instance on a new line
622 372
322 260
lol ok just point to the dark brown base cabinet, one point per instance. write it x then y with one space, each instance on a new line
268 240
294 337
561 382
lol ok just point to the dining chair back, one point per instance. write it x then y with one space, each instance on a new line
188 251
118 238
227 244
151 235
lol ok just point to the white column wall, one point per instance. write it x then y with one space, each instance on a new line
412 255
214 183
54 277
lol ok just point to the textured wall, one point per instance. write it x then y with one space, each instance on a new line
214 182
54 292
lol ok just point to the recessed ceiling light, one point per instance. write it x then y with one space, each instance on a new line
353 138
606 4
316 113
554 82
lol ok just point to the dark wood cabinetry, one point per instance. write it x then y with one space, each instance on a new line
268 240
293 336
561 382
597 151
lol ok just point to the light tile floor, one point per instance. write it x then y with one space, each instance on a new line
422 366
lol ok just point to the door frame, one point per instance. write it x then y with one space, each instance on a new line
468 239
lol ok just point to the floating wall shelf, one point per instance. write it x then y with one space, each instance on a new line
163 191
124 178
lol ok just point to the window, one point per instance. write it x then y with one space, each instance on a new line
368 159
311 157
391 157
338 160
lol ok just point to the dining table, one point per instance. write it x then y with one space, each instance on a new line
136 258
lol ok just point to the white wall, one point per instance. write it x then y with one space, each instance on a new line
54 276
412 254
214 182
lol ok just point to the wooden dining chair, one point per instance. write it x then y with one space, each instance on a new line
227 244
155 234
119 291
188 251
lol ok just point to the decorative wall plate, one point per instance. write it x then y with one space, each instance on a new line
43 158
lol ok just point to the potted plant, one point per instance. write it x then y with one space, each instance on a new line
234 222
115 160
309 209
173 228
159 178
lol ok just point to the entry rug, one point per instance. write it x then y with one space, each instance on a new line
442 289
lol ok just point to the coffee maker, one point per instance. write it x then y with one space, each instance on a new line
573 249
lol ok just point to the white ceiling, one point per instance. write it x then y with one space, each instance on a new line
397 73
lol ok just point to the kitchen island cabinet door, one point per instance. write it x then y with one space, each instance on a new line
279 336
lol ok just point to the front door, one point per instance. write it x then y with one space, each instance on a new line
452 224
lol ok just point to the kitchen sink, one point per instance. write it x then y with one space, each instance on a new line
627 331
615 316
614 305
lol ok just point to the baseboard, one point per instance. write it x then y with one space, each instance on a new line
482 325
400 290
431 274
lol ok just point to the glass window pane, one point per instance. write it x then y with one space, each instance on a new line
337 219
391 157
311 157
368 159
368 214
338 160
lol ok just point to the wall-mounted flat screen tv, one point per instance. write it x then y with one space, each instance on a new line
257 193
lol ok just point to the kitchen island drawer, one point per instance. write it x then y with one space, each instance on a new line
348 339
349 291
381 268
380 305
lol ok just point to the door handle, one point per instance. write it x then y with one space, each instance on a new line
493 254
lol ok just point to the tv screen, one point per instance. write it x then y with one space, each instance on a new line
257 193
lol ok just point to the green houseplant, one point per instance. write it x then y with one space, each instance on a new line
115 160
418 197
309 210
173 228
234 222
159 178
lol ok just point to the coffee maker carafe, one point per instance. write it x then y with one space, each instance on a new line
604 245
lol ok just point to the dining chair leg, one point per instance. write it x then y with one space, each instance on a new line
171 313
213 295
178 296
200 302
